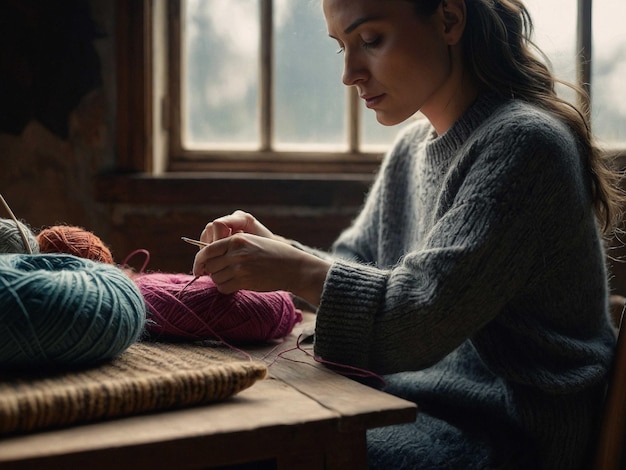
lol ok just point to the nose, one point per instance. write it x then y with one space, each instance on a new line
354 69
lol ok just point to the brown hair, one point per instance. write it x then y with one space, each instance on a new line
500 54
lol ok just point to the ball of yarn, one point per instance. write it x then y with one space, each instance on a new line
11 240
62 310
178 310
74 241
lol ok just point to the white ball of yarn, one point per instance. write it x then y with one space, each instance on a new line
11 240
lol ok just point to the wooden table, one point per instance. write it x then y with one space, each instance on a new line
303 416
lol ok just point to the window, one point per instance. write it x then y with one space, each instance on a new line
608 70
562 28
254 85
258 87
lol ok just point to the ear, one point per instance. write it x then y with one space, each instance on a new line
453 15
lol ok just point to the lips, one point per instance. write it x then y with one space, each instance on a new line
372 100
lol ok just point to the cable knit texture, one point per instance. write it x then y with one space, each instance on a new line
475 278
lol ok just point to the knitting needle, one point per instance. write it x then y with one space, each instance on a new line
194 242
19 228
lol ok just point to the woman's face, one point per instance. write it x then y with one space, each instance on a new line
399 63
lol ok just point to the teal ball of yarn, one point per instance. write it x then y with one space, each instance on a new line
61 310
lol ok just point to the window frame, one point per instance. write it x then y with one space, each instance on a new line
143 114
265 158
134 105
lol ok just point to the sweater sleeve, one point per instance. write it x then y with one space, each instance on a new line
359 242
497 229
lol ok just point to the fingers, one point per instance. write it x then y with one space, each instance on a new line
215 230
226 280
237 222
207 234
234 254
216 261
210 252
252 262
220 230
225 226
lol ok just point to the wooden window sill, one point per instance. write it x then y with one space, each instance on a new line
312 190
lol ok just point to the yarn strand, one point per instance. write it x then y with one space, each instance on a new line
342 369
17 224
125 264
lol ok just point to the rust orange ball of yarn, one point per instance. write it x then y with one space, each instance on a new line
74 241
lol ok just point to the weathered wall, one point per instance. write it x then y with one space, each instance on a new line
55 109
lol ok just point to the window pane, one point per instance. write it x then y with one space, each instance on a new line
220 73
554 24
374 136
310 100
608 74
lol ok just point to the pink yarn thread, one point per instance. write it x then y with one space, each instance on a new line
342 369
129 269
181 307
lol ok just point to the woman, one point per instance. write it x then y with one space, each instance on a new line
474 276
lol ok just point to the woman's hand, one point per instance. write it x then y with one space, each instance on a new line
237 222
243 254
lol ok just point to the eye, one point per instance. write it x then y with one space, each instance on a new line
342 47
371 43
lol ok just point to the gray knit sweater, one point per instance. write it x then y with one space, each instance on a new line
476 271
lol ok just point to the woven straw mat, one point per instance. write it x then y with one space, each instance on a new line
146 377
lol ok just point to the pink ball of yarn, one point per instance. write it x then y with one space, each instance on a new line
202 312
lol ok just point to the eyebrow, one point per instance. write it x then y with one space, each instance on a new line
359 22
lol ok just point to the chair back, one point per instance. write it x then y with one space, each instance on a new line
609 451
